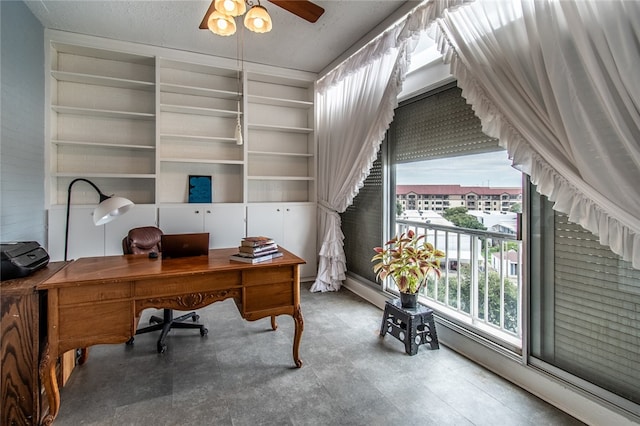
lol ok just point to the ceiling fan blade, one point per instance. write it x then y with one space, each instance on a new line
204 25
303 8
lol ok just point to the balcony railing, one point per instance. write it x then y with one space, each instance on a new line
481 280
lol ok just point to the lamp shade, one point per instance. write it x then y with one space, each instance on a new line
230 7
258 20
221 24
110 208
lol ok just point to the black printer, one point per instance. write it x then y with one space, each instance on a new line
20 259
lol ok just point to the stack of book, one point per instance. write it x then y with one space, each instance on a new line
256 249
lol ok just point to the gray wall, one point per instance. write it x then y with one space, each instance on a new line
22 214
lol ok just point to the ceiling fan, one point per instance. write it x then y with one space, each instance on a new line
305 9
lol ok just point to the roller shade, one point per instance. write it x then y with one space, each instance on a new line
437 125
597 326
362 224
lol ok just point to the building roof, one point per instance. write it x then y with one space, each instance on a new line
510 255
454 190
427 216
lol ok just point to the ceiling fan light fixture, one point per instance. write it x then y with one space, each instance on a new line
221 24
258 20
230 7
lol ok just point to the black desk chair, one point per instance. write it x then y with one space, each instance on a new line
146 240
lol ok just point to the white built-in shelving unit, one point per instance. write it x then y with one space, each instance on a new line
139 120
199 108
281 145
101 122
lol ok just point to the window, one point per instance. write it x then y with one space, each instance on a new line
513 268
583 300
584 306
435 150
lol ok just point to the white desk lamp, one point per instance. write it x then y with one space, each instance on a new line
110 208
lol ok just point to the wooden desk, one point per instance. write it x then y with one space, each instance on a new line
99 300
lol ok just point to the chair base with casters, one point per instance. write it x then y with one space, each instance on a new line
147 240
167 323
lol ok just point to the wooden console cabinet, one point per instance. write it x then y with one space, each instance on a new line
23 335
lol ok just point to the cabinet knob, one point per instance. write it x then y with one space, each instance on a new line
208 211
197 211
287 209
277 210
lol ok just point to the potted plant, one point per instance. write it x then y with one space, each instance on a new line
408 259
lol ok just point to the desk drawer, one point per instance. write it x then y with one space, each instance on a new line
107 322
187 284
94 293
268 276
260 298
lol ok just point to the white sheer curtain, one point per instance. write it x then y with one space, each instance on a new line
354 114
557 82
355 105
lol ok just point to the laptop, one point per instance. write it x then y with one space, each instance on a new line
184 245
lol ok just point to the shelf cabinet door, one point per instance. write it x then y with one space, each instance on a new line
299 232
86 239
292 226
266 220
224 222
182 219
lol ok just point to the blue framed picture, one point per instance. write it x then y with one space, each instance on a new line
199 189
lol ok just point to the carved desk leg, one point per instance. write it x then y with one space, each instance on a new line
274 324
48 377
299 324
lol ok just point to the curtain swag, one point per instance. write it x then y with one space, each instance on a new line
355 105
556 83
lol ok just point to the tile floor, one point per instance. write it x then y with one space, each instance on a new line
242 374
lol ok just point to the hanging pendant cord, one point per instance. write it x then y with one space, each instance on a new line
239 74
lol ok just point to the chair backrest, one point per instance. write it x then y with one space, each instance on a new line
142 240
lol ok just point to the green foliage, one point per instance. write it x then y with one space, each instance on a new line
459 217
399 208
494 296
408 259
454 211
516 208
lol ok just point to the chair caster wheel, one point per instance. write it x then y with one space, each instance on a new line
204 331
130 341
195 318
161 348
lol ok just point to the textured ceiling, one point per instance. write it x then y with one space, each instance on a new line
293 42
